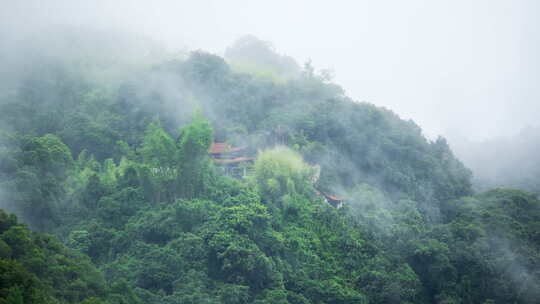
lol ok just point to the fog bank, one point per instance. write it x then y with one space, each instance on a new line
460 66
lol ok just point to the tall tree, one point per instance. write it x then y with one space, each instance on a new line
159 157
194 164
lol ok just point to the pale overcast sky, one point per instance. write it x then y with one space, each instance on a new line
454 67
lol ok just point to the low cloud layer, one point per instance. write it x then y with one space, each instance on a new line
453 67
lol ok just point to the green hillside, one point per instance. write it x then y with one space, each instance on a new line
118 169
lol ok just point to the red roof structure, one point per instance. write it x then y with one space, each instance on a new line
229 159
333 198
222 148
335 201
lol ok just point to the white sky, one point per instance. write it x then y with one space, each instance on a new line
466 68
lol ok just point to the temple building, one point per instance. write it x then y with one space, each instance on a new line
234 161
335 201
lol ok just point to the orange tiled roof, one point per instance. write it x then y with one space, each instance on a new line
220 148
330 197
333 198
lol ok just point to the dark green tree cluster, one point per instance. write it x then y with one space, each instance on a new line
37 268
235 242
34 169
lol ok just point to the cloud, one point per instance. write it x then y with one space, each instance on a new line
459 66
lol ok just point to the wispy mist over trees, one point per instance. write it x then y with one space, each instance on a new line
252 55
505 161
105 142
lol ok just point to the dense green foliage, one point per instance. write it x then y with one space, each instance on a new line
39 269
121 174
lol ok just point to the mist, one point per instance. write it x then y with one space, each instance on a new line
110 111
454 68
504 161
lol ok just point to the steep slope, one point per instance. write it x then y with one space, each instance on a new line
121 173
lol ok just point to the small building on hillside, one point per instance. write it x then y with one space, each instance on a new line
335 201
234 161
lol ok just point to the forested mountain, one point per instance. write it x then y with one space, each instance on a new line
111 158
